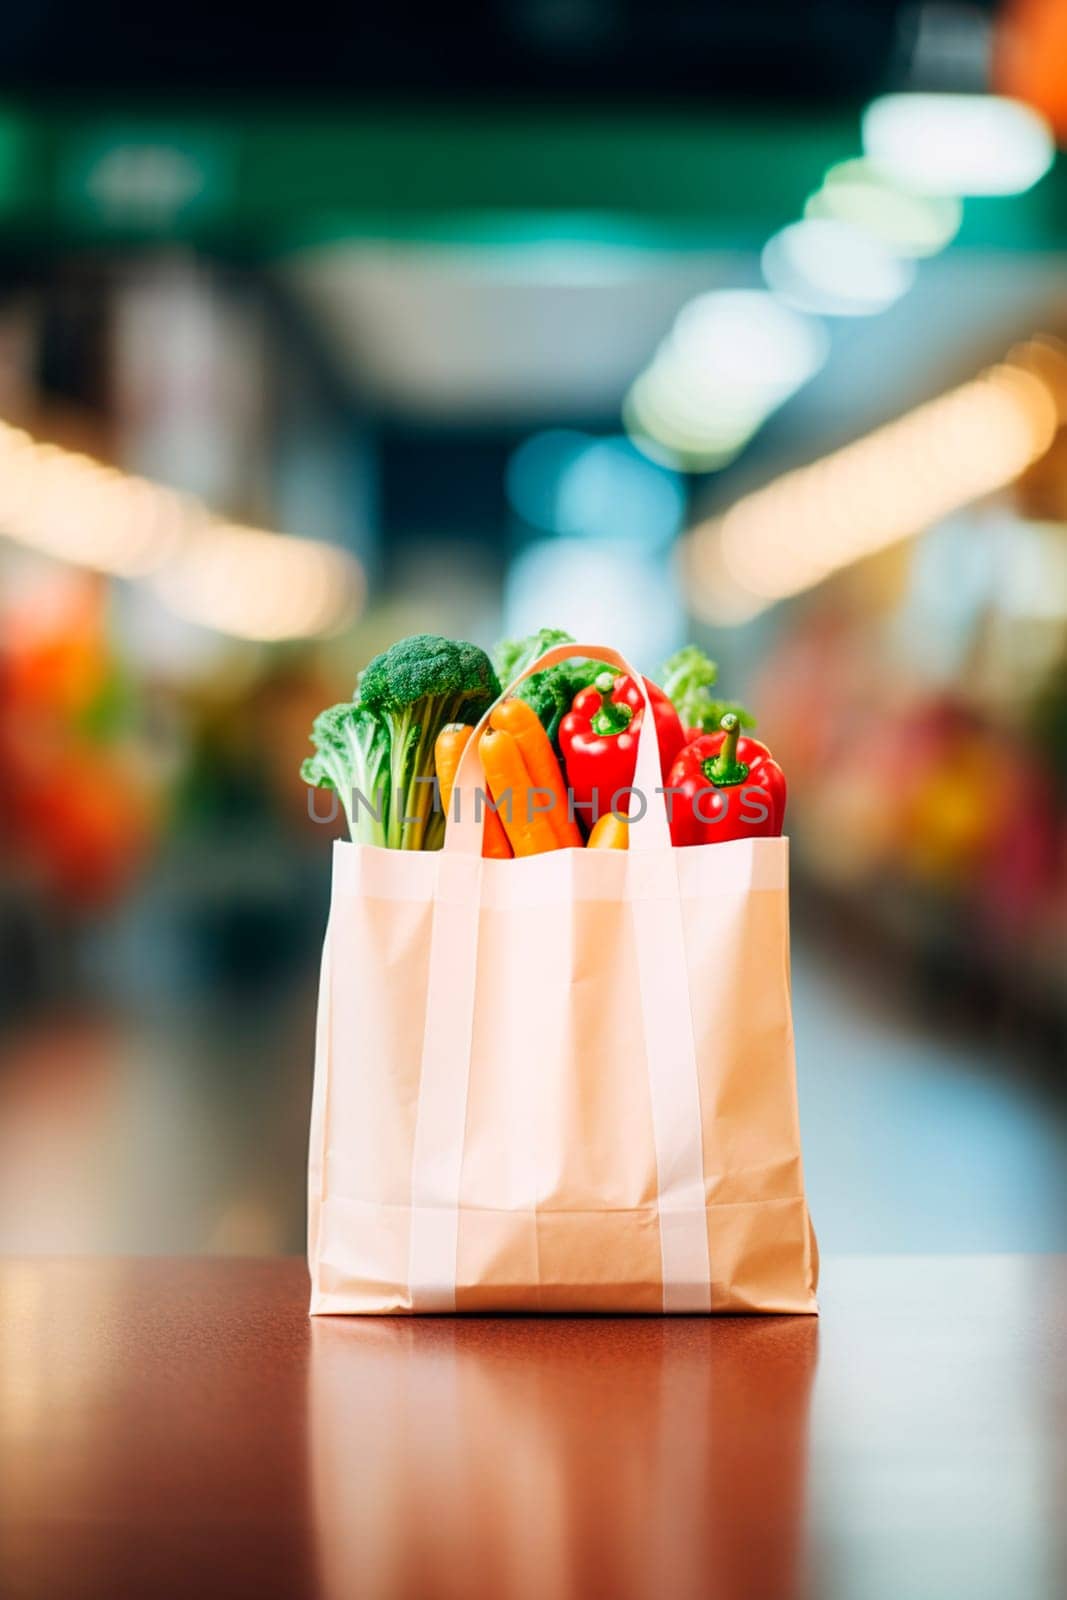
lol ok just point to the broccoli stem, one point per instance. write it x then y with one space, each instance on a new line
402 730
420 799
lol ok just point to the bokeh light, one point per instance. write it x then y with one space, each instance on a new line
901 478
907 223
247 582
958 144
596 591
261 586
834 269
565 482
535 473
732 357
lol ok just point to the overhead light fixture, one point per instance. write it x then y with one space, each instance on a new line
690 432
247 582
908 224
259 586
834 269
732 357
958 144
812 522
65 505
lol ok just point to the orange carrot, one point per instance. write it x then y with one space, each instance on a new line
529 831
495 842
449 747
539 759
610 833
451 743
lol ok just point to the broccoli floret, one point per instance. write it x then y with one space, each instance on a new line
425 665
415 688
687 678
352 757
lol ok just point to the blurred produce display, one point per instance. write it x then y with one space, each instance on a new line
83 793
936 810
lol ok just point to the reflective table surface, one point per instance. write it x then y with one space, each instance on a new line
174 1427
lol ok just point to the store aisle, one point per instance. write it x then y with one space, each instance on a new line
915 1142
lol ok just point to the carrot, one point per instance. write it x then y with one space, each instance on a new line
529 832
495 842
450 745
539 759
610 833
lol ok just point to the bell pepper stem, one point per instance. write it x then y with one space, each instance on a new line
611 718
724 770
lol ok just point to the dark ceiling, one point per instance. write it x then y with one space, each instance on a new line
580 50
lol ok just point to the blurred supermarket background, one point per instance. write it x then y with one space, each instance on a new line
740 324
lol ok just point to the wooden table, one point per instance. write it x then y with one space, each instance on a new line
178 1427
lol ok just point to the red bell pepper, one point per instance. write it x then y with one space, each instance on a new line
598 740
725 787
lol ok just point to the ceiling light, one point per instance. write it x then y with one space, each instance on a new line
958 144
796 531
260 586
907 224
834 268
247 582
748 340
732 357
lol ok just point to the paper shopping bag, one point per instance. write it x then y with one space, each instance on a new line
558 1083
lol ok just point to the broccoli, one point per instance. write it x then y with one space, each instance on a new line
414 689
687 678
352 757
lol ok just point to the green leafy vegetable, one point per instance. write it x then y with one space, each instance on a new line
512 656
414 689
687 678
549 692
352 757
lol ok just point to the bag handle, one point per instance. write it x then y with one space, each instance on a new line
650 831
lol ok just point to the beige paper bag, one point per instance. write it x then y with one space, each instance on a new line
560 1083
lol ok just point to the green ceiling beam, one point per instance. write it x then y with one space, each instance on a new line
263 182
